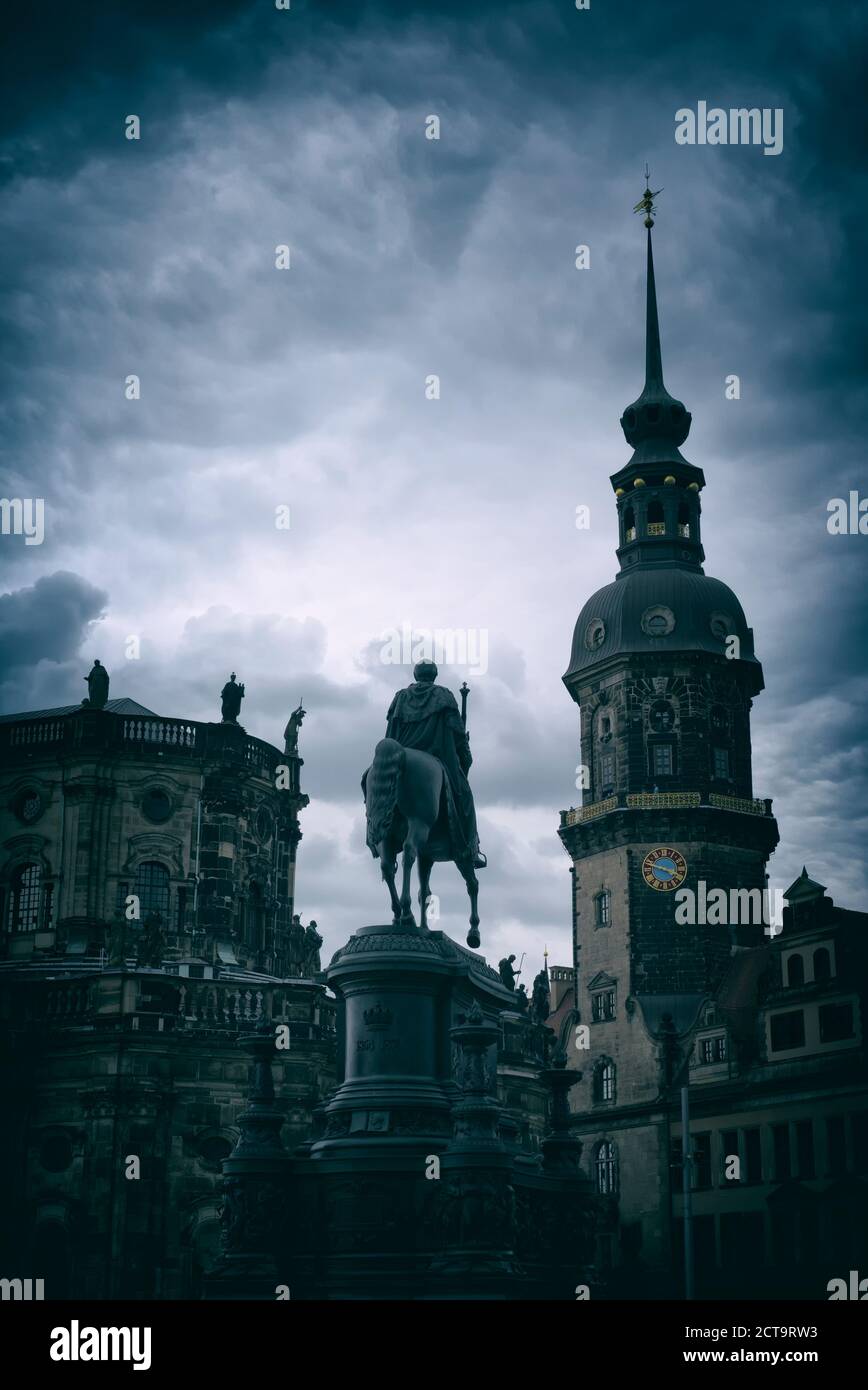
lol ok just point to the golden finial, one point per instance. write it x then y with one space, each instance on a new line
647 203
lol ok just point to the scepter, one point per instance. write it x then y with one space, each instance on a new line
464 692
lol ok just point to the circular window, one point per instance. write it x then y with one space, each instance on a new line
658 621
28 805
56 1153
595 634
263 823
156 805
721 625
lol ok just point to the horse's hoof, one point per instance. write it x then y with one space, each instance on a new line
473 938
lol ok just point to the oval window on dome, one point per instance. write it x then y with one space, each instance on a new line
658 621
595 634
722 625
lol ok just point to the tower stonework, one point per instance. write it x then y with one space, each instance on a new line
664 673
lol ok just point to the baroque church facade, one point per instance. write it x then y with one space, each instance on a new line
760 1021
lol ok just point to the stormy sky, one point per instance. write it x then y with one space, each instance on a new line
306 388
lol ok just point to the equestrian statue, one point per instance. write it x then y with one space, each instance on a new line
418 799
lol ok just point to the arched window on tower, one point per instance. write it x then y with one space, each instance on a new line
25 899
656 524
606 1168
684 520
629 525
152 891
603 908
795 970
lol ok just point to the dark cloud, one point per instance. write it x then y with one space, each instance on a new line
47 621
411 258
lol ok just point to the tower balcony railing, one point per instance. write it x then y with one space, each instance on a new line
665 801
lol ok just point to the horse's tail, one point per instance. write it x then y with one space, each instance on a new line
381 791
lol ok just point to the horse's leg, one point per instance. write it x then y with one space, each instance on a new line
425 866
417 835
388 868
469 876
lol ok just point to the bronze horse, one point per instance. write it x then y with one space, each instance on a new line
405 802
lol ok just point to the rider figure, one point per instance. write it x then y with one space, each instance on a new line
425 716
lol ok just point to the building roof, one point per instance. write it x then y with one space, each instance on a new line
122 706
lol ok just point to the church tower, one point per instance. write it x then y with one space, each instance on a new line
664 673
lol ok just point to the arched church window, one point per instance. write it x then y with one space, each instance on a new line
822 964
683 520
656 524
795 970
24 899
604 1080
629 524
606 1166
152 890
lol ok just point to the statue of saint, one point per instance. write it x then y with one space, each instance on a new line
507 973
290 733
232 694
541 998
521 999
97 687
296 944
425 716
312 944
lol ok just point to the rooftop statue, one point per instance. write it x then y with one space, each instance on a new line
540 1004
417 797
290 733
231 695
507 972
97 687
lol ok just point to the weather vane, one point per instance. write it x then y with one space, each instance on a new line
647 203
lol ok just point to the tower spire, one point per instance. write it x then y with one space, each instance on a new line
655 424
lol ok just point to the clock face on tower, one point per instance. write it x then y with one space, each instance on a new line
664 869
